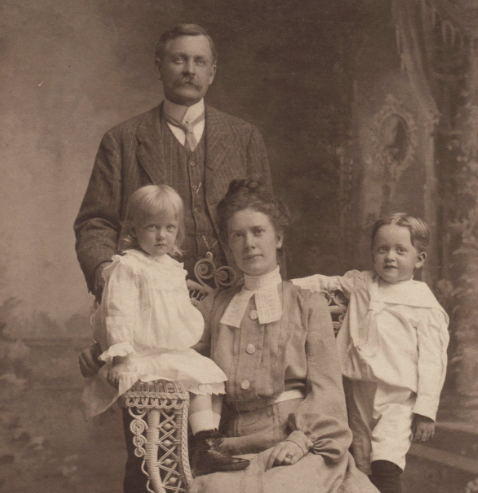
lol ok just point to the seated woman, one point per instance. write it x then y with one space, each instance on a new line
284 407
275 342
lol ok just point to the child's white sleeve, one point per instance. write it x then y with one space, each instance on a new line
433 341
347 283
120 306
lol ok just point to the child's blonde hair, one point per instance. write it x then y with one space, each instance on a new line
152 200
419 230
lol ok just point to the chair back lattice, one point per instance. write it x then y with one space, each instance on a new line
210 279
160 427
337 307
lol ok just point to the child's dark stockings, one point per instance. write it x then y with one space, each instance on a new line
386 476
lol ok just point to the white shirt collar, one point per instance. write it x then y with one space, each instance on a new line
181 113
266 294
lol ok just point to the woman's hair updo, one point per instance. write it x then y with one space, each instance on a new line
249 193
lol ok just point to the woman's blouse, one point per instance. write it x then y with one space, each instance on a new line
297 351
145 305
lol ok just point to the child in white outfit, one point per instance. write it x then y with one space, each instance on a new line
392 348
146 324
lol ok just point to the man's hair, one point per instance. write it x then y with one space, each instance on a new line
182 30
419 231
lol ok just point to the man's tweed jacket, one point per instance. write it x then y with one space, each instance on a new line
131 156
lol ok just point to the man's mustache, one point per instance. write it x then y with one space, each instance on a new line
187 79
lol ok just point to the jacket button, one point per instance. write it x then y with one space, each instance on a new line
192 163
245 384
250 349
253 315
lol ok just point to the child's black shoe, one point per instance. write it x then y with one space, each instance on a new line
208 458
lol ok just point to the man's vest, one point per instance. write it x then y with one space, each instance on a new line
185 173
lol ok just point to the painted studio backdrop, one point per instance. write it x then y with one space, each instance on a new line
365 107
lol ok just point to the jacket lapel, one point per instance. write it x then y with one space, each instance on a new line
218 141
150 151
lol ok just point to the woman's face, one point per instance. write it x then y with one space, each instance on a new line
253 241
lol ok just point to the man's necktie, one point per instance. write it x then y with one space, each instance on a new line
188 128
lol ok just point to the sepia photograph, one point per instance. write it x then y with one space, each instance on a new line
239 246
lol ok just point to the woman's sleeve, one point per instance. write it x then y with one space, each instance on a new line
347 283
433 341
120 307
320 423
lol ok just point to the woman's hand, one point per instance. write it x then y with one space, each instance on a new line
284 453
89 362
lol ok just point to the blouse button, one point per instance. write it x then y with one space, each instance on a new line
245 384
250 349
253 315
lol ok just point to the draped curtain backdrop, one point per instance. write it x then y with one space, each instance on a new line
437 43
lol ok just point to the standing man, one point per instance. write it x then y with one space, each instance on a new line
183 143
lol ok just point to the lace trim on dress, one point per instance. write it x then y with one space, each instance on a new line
120 349
172 275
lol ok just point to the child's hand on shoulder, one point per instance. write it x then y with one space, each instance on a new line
423 428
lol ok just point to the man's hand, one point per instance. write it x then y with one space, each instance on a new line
89 362
423 428
284 453
99 282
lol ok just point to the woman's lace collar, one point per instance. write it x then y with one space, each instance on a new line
266 295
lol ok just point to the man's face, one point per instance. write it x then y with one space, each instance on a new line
187 69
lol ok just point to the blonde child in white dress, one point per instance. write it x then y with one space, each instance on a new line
392 348
146 325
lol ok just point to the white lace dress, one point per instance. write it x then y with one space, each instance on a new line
146 315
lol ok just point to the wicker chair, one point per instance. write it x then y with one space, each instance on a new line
160 409
160 433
